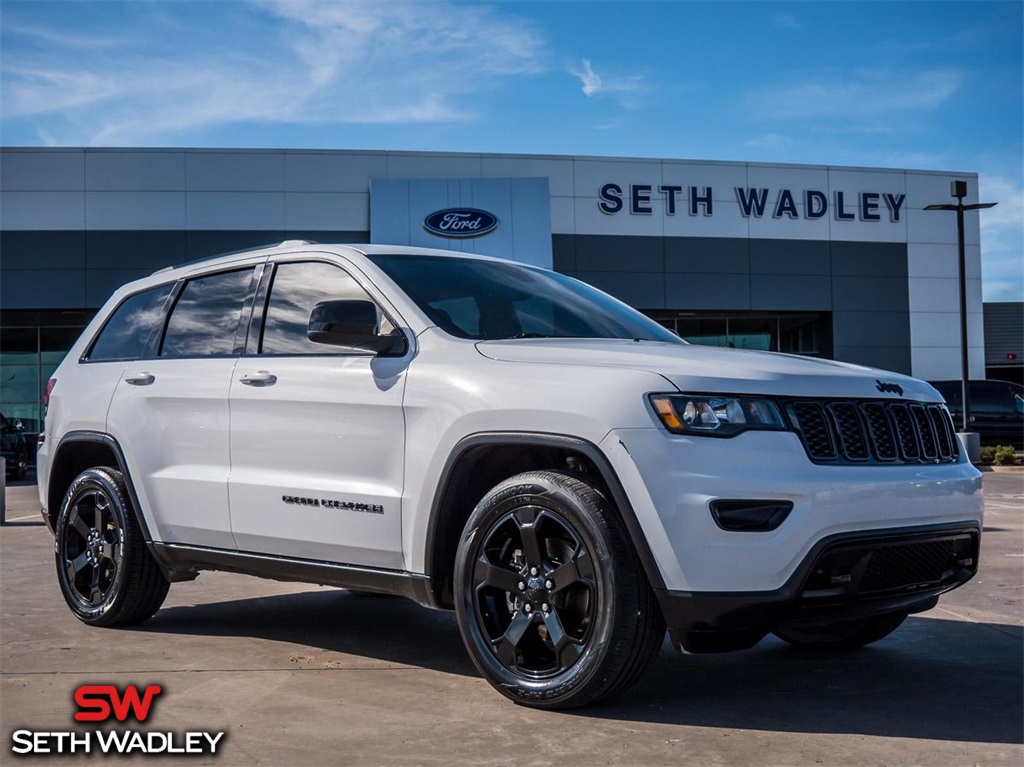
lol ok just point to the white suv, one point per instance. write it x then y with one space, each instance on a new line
499 439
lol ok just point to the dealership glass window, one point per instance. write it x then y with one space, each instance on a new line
130 329
32 344
805 334
808 333
760 333
20 382
205 318
706 332
296 289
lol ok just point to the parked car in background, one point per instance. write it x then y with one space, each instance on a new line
996 413
14 448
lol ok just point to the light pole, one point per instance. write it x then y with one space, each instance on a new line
958 189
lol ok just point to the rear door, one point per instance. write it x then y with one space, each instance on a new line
317 431
170 410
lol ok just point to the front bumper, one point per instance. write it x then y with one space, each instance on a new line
671 482
844 577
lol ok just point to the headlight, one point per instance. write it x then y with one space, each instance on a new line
716 415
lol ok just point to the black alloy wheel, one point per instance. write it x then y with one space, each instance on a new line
106 573
535 593
92 547
552 601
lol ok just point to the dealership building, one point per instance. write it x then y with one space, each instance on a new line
835 262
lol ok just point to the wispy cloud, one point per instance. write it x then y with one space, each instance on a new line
596 85
70 39
768 141
786 21
1008 215
283 61
858 97
1002 238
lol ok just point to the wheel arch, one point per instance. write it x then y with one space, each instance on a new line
81 450
480 461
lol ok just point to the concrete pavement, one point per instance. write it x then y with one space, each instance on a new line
301 675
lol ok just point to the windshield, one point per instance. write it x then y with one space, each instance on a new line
491 300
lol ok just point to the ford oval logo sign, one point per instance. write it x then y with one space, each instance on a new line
460 222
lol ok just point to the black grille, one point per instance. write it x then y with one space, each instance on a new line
874 431
814 430
944 434
882 564
897 567
880 431
906 432
929 452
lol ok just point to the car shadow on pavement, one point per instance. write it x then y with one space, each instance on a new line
933 679
386 628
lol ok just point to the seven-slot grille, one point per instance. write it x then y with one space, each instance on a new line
874 431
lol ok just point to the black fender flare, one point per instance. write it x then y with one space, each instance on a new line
102 438
588 449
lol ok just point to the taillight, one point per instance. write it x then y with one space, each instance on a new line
49 388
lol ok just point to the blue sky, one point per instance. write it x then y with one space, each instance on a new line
930 85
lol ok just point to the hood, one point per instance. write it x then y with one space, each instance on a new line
709 369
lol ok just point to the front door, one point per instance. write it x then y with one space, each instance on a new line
317 433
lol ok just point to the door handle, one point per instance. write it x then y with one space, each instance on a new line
140 379
259 378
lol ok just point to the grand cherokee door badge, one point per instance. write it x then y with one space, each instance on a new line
329 503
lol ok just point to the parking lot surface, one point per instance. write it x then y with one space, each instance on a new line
302 675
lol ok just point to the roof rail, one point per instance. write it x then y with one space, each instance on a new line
284 244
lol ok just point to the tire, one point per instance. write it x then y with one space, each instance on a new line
552 601
106 573
846 635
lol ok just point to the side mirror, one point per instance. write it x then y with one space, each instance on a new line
352 324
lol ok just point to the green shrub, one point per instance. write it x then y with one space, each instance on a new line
1003 455
988 454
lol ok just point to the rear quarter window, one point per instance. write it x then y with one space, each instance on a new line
132 327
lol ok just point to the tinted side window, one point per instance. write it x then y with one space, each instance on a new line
130 328
296 289
205 319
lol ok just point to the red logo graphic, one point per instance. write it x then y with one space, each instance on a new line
97 701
